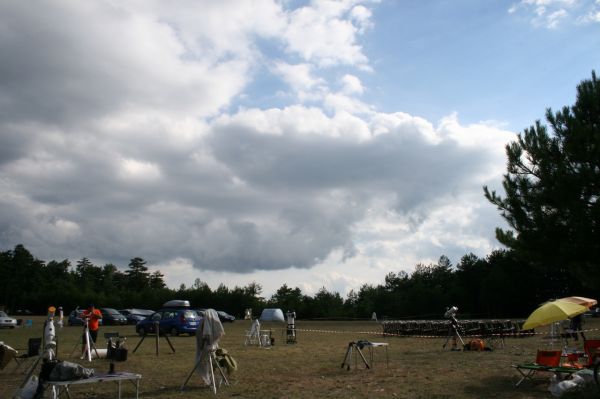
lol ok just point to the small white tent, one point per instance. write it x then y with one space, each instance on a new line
272 315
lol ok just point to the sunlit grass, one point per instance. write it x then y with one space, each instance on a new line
418 367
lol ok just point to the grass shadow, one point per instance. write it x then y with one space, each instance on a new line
504 387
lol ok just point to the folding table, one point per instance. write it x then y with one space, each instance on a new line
118 377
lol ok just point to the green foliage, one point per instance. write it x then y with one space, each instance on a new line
552 187
500 285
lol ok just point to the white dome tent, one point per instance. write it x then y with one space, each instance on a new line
272 314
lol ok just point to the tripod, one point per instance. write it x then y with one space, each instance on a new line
157 330
348 357
87 342
211 358
453 333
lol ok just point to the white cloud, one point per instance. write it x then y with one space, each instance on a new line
553 13
324 34
352 85
123 143
300 78
139 170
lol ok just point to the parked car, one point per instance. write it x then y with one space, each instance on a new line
75 318
225 317
7 322
173 321
135 315
112 316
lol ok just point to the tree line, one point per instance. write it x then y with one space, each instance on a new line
499 285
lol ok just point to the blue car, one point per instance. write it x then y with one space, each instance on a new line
170 321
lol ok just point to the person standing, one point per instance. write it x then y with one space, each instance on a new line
92 316
577 326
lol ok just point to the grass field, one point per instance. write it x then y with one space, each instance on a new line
311 368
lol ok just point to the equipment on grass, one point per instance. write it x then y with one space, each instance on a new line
157 331
453 329
291 327
61 316
354 346
253 335
87 342
207 343
48 354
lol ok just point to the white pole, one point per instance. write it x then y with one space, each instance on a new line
88 352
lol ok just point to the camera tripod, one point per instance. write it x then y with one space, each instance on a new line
453 333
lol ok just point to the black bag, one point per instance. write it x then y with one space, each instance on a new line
111 349
46 369
121 355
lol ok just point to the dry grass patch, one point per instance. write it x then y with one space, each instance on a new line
418 368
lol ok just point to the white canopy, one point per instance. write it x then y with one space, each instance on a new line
272 315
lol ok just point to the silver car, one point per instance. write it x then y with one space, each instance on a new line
7 322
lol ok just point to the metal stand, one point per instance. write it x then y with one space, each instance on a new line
40 356
157 330
291 334
212 359
291 327
453 333
88 344
347 358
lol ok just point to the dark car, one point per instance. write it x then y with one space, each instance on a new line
75 318
135 315
112 316
225 317
171 321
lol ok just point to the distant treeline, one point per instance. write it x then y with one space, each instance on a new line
498 286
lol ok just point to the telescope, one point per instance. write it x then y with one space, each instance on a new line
451 312
453 329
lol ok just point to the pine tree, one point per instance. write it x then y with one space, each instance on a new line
552 187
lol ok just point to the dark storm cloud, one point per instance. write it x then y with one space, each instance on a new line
399 162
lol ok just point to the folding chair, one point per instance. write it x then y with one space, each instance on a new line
591 347
544 361
6 355
33 351
253 335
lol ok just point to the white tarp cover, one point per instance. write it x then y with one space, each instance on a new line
272 315
207 340
254 337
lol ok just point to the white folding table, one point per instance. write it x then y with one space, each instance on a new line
118 377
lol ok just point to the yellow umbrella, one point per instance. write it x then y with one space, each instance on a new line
580 300
553 311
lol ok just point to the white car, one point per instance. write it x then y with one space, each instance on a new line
7 322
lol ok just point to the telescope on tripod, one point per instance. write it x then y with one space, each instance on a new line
453 328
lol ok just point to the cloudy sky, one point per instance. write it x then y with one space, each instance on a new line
318 144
